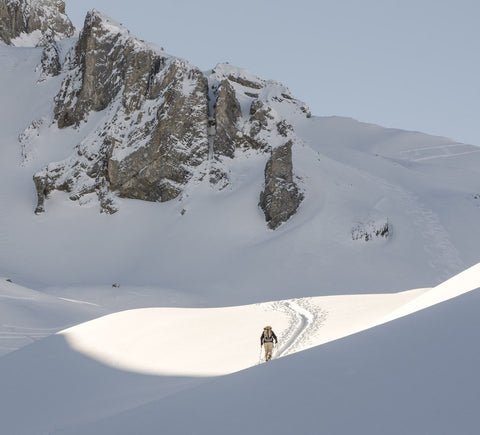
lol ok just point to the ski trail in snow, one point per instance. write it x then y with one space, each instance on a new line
305 320
13 337
444 257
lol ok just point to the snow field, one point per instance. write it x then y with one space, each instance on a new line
140 370
218 341
144 369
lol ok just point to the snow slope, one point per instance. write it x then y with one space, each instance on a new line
28 315
223 340
112 360
195 276
354 176
417 375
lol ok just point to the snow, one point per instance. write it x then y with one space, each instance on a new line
28 315
134 370
374 337
156 337
31 39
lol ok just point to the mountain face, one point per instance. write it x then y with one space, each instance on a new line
117 124
166 123
33 22
150 126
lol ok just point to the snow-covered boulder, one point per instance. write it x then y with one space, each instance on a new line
34 22
372 229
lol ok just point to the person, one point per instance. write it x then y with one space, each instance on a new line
266 340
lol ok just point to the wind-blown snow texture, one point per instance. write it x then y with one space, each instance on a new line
416 197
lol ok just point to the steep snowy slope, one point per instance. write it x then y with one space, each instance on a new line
418 193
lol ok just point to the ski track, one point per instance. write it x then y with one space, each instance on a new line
444 257
438 152
13 338
305 319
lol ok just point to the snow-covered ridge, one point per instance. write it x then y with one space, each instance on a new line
162 341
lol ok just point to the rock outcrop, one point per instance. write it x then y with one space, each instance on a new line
227 116
157 131
50 65
34 22
165 122
372 229
281 197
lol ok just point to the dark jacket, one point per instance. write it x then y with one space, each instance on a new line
270 339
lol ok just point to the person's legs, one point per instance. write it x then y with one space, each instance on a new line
268 350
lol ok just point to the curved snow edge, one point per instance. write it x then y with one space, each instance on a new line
219 341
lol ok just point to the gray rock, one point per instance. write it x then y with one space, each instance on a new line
372 229
158 134
244 82
284 128
259 119
166 123
98 72
177 141
281 196
227 115
50 63
230 134
26 16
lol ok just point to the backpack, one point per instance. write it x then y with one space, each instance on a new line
267 334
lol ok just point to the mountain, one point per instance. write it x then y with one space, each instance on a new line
217 158
165 124
33 22
178 211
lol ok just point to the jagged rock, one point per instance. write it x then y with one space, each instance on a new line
284 128
43 21
50 64
259 119
41 188
45 182
244 82
227 115
98 71
164 124
177 141
237 130
281 197
372 229
158 133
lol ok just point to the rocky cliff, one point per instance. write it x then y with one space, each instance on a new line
281 197
165 123
33 22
